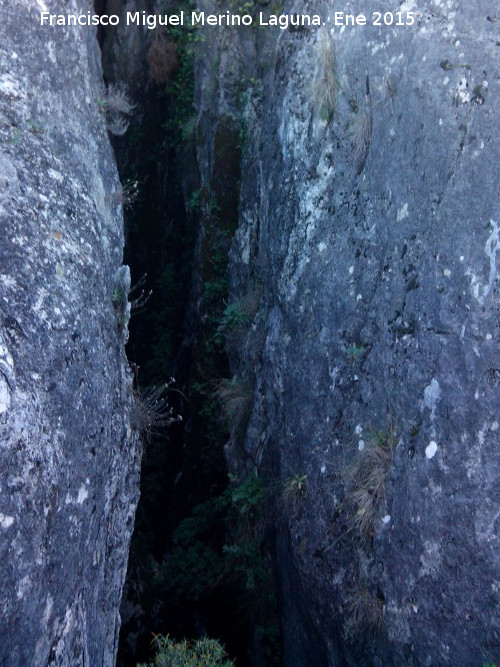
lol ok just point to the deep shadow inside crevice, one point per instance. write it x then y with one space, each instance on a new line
183 579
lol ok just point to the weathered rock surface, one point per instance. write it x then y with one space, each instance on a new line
68 455
370 216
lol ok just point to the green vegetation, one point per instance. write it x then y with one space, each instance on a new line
203 652
236 317
294 488
355 352
175 62
201 564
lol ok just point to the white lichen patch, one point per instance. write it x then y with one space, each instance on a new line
7 281
463 94
23 587
486 522
491 249
55 175
10 86
49 605
83 494
408 5
6 521
402 212
431 559
5 397
432 394
431 449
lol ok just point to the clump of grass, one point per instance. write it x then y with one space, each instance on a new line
325 83
127 194
152 411
117 105
294 489
203 652
355 352
366 482
234 395
364 612
360 135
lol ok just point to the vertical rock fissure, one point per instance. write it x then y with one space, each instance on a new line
199 551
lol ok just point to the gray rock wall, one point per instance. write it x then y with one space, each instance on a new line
370 215
68 454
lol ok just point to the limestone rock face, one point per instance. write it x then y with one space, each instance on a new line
68 456
369 216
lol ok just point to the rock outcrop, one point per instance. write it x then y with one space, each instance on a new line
369 217
69 456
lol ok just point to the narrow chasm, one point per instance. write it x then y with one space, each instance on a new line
200 557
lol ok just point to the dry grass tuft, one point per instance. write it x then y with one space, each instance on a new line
364 613
294 489
117 105
234 396
325 84
360 135
366 482
152 411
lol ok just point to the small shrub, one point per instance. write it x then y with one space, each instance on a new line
116 105
236 317
366 482
127 194
162 60
203 652
248 496
152 411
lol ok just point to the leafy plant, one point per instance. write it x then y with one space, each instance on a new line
203 652
355 352
249 495
237 316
